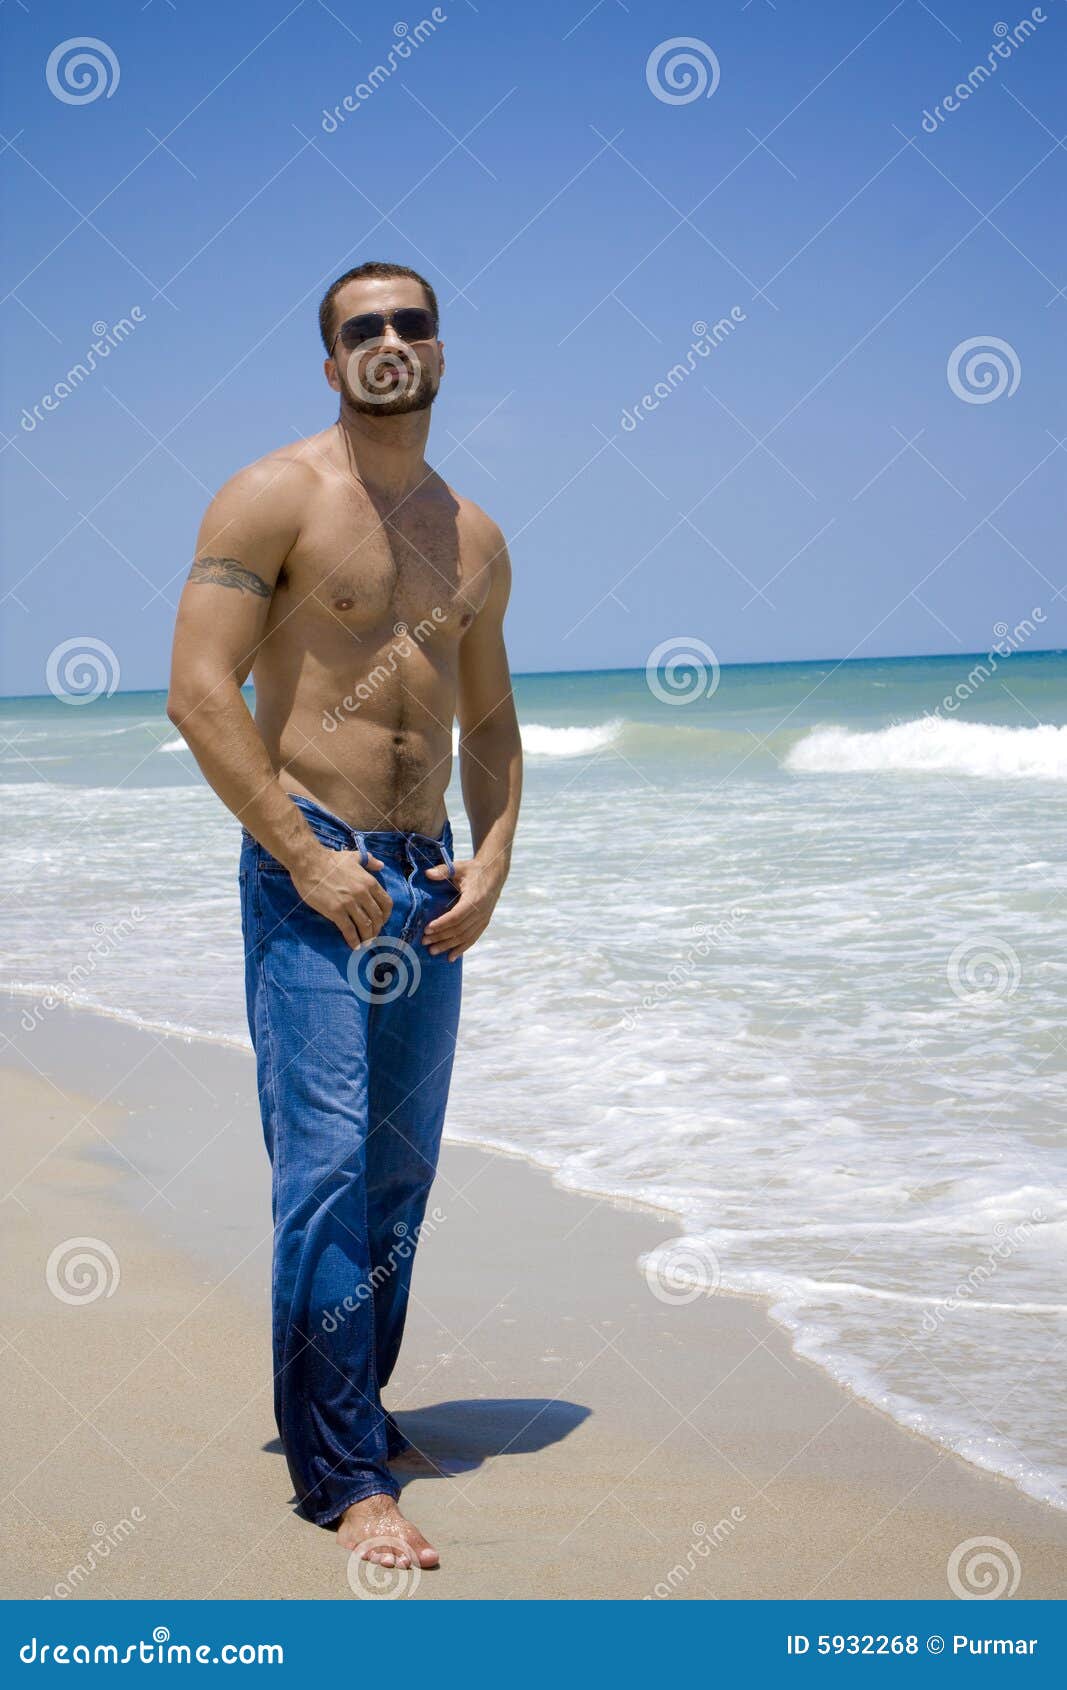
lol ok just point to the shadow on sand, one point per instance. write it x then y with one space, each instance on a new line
456 1437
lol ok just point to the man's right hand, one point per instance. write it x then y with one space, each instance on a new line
335 884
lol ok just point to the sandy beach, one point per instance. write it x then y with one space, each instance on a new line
594 1440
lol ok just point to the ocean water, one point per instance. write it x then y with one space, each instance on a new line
787 958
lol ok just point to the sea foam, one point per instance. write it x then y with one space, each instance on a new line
541 741
931 745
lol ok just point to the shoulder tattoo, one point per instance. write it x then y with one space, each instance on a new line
228 572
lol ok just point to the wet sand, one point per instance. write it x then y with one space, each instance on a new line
595 1440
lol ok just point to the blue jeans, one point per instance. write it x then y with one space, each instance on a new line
354 1056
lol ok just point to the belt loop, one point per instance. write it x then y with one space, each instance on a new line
361 847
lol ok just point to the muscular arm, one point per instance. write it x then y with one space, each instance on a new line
244 539
490 756
490 750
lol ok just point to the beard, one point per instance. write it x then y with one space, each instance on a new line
387 384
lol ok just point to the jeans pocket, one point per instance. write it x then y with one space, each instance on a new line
326 838
270 865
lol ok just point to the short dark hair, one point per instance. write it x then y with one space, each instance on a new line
361 273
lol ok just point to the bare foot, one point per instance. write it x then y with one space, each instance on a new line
377 1531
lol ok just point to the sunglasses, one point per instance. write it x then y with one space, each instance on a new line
411 322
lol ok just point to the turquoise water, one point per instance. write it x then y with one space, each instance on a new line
756 714
784 952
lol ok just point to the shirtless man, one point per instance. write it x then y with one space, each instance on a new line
366 599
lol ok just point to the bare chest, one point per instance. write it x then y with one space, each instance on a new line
361 568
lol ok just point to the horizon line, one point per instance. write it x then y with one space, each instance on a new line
641 668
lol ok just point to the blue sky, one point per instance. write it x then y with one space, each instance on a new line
813 487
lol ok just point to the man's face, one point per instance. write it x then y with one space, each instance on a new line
385 376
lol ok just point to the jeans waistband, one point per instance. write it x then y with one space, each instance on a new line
376 842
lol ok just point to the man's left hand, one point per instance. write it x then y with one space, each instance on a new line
480 885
